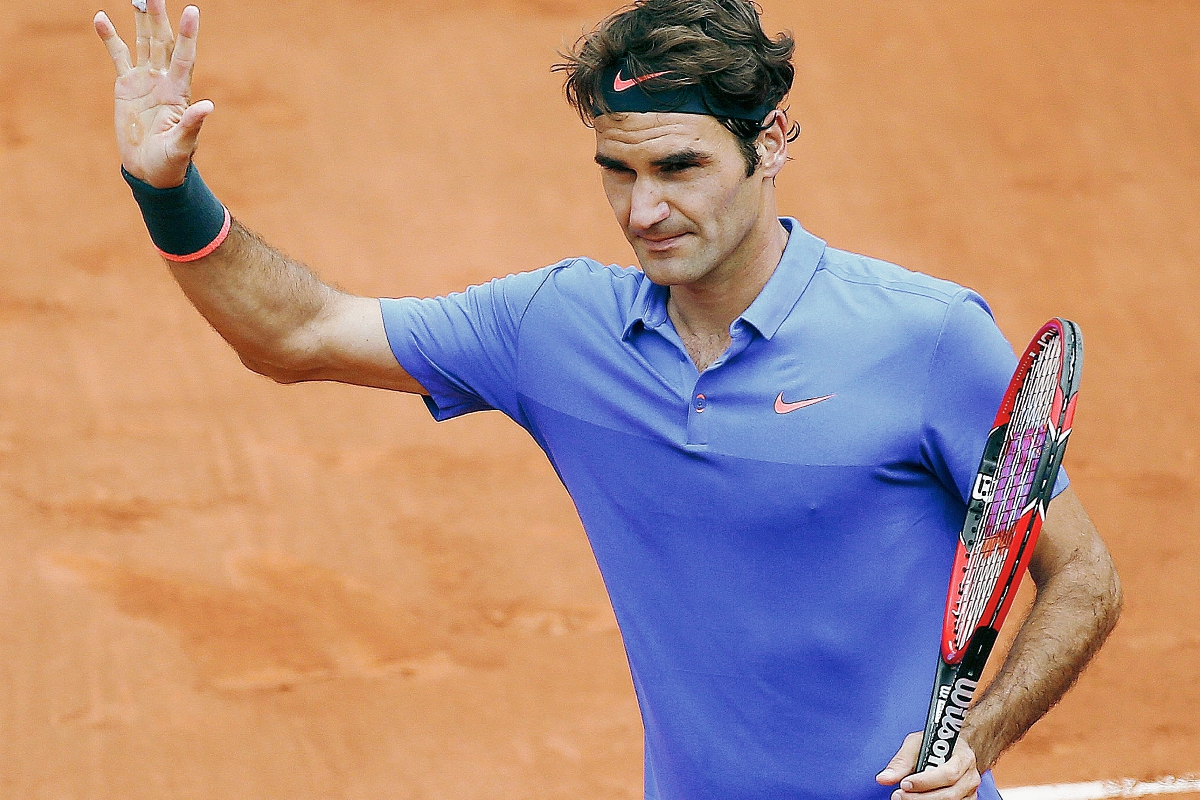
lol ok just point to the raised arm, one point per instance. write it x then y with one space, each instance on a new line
275 312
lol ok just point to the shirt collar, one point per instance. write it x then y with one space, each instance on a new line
649 308
773 304
786 285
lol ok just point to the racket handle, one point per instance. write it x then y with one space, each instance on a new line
953 691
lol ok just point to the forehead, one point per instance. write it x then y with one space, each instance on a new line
654 134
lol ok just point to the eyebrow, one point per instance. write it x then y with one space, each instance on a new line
683 158
610 163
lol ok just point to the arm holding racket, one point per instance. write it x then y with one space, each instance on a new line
1077 605
1078 597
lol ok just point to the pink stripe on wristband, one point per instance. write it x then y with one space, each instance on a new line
206 250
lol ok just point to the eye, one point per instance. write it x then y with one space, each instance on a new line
676 168
616 169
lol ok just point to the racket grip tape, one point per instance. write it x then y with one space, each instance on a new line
953 692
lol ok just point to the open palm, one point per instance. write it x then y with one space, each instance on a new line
157 129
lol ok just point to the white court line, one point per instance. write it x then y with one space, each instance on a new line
1099 790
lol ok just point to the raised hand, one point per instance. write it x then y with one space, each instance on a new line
157 126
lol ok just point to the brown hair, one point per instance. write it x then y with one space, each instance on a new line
717 44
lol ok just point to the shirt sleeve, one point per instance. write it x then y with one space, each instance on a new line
462 347
969 373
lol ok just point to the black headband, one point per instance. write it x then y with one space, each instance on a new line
623 92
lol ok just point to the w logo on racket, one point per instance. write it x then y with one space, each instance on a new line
985 488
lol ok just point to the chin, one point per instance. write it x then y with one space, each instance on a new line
669 272
676 269
668 268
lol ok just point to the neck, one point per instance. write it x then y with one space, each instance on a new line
707 308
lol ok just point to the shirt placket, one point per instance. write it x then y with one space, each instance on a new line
698 416
704 398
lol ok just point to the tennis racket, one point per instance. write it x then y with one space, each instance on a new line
1004 515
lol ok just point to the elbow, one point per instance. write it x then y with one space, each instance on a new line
294 356
1087 583
281 370
1106 596
1114 600
1109 598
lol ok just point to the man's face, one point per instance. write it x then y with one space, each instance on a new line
678 187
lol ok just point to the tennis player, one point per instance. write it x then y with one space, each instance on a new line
769 440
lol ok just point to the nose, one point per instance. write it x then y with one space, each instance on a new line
647 206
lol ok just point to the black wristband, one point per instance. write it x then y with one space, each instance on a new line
185 222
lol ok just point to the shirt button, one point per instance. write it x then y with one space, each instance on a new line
701 403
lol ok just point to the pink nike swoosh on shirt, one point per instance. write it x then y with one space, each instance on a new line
784 407
621 84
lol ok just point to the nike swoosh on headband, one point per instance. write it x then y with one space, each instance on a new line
621 84
784 407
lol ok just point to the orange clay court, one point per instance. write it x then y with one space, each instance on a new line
218 587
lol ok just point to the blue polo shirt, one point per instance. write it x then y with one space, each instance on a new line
775 533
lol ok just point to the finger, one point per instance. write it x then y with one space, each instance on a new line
142 20
184 58
932 778
162 40
903 763
117 50
962 789
960 763
187 131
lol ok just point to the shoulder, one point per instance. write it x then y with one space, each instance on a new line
878 312
587 278
570 281
889 300
579 292
577 277
582 291
854 269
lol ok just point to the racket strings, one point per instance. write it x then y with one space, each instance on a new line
1019 457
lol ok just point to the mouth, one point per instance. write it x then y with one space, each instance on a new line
662 243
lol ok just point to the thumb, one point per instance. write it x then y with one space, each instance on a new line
187 130
903 762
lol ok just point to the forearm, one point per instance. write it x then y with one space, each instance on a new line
263 303
1077 605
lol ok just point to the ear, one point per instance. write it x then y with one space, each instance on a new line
772 145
